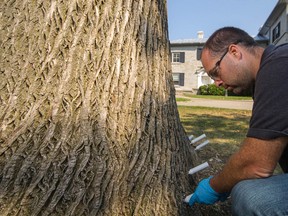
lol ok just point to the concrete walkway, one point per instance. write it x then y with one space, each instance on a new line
233 104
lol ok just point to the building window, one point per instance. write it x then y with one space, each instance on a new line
178 57
276 32
178 79
175 57
199 51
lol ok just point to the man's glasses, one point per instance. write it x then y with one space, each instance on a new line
214 72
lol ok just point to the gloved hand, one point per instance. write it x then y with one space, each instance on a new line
205 194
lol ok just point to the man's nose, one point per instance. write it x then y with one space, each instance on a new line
218 83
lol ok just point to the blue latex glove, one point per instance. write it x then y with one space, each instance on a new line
205 194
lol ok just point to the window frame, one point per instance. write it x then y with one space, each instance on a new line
276 32
199 52
180 58
180 80
176 57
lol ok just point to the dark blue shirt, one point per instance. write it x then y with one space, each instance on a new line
270 110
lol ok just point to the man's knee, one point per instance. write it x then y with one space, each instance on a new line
241 197
258 197
248 198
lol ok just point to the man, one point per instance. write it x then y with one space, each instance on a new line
235 61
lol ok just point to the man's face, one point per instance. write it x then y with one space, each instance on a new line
228 69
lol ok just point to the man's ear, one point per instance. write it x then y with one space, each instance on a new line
235 51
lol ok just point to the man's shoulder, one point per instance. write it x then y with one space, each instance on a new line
277 50
272 53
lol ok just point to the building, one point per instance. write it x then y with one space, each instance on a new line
275 27
188 73
187 69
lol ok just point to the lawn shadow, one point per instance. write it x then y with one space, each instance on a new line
225 129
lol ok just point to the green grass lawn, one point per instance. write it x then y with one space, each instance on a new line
179 99
213 97
225 129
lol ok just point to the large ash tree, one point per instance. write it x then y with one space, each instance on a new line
89 123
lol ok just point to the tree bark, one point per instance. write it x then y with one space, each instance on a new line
89 122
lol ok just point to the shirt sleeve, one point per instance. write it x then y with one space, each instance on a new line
270 110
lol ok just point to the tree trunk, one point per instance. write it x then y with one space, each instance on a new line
89 122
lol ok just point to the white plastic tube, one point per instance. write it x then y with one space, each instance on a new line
198 138
190 137
202 145
198 168
187 198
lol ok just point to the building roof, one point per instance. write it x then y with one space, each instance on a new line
196 41
278 9
202 41
261 38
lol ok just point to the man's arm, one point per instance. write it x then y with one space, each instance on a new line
256 158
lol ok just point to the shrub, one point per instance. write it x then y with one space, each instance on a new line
211 89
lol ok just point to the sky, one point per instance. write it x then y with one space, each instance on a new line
187 17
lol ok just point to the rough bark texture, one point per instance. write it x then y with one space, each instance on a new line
89 123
